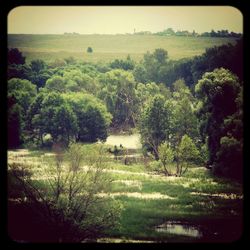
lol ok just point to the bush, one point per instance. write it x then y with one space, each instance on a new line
166 156
188 153
70 208
229 162
89 50
154 166
15 56
47 141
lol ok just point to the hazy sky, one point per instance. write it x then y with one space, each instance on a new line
114 19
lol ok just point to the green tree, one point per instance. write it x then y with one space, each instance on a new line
155 123
93 119
125 104
229 158
151 67
161 55
21 71
120 96
127 64
145 92
56 83
220 111
89 50
23 92
13 123
39 79
15 56
166 156
219 56
37 65
58 117
109 98
140 73
183 118
155 63
187 152
169 31
35 123
77 81
38 73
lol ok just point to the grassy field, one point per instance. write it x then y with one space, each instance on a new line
202 207
109 47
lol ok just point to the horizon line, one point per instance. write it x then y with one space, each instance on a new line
127 33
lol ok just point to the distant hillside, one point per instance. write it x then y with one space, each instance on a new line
109 47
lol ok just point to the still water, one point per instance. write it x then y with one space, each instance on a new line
127 141
175 227
220 230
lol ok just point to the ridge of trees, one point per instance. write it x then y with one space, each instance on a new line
166 100
172 32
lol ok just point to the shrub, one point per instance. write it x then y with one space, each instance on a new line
166 156
229 159
89 50
70 208
154 166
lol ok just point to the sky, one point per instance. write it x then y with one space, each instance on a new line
122 19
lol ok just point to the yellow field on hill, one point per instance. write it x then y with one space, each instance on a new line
109 47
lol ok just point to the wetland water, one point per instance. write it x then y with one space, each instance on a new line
127 141
176 227
218 230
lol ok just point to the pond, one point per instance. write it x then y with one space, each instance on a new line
215 230
176 227
127 141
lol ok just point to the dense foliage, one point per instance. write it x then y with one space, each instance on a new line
68 209
166 100
15 56
188 114
220 113
93 119
155 124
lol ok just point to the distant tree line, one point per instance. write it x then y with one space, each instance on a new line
172 32
221 33
158 68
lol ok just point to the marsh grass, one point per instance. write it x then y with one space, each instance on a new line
196 197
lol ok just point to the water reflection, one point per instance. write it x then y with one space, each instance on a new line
127 141
178 228
218 230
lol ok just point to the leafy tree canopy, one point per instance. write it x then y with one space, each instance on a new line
15 56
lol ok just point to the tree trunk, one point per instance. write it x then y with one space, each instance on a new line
166 171
41 138
185 168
